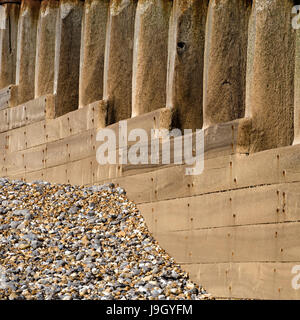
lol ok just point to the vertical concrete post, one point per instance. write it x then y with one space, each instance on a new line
150 55
9 15
118 59
92 51
297 90
45 53
225 60
270 74
186 62
67 56
26 52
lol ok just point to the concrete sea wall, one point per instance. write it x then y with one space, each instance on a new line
71 68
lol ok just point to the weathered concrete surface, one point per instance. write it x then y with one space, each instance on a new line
44 69
150 55
67 56
270 74
225 61
26 52
92 51
297 91
239 219
118 59
186 62
8 43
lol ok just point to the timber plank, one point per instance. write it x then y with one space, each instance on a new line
57 174
34 158
251 243
79 172
265 204
5 94
246 280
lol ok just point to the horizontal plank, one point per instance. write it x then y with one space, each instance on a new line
226 173
22 115
223 173
57 174
80 146
72 124
5 97
220 174
246 280
252 243
79 172
34 158
29 112
267 167
34 176
219 140
142 189
101 173
158 119
13 165
92 116
26 137
19 162
69 149
264 204
35 135
56 153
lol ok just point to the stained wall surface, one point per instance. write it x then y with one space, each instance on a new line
230 68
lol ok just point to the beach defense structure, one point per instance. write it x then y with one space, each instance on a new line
71 68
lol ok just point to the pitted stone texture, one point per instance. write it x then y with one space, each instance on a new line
67 56
297 90
26 52
270 74
118 59
186 62
93 51
225 60
150 55
45 54
8 44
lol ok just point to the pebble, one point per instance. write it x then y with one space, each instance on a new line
69 242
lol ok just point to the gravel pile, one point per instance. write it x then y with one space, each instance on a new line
68 242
